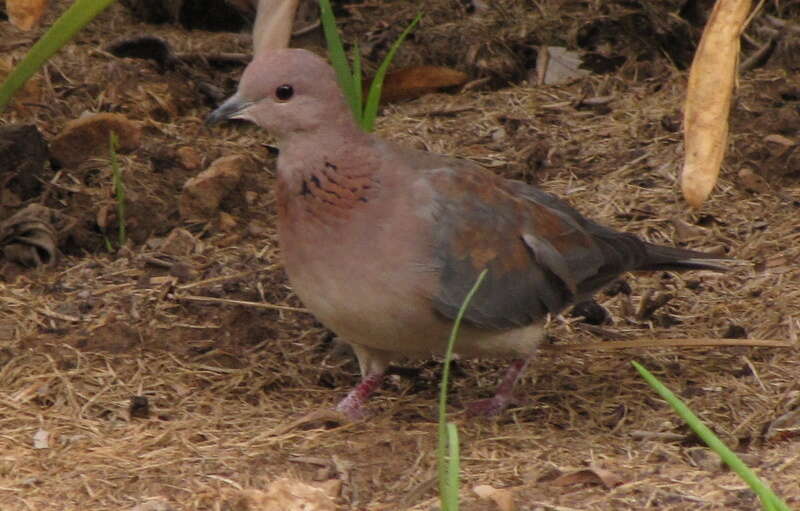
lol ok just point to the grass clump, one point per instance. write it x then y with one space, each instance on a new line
350 80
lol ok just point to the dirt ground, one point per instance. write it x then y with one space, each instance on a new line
131 379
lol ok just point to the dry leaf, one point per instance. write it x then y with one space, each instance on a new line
591 475
687 232
41 439
272 29
290 495
25 14
30 236
413 82
503 498
557 65
708 99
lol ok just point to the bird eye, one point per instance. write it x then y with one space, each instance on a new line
284 92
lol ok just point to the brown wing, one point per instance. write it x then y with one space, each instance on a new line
541 254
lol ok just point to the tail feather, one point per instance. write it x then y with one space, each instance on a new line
678 259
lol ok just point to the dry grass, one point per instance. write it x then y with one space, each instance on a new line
225 383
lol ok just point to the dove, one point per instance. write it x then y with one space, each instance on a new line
382 242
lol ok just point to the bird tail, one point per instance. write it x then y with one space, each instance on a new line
678 259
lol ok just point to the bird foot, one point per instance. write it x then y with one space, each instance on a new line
352 405
493 406
351 409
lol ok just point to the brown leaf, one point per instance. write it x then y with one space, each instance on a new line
591 475
687 232
502 497
413 82
25 14
708 99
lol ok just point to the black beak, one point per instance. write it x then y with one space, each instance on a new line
232 108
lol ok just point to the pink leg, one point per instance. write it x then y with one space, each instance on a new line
353 404
504 395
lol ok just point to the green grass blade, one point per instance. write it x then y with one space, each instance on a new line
75 18
357 85
768 499
448 487
375 88
338 56
453 467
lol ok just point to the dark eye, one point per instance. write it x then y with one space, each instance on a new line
284 92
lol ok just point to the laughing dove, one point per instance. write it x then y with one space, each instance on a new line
382 243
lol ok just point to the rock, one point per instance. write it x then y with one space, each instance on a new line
189 158
89 136
203 193
23 154
753 182
226 221
179 242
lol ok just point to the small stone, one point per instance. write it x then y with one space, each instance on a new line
179 242
189 158
227 222
89 136
183 272
256 229
203 193
735 331
753 182
26 14
139 407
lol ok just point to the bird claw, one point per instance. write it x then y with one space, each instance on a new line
353 411
493 406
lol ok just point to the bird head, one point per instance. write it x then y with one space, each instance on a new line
287 91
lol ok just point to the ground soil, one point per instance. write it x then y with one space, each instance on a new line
151 396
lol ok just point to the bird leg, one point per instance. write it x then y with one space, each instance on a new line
353 404
504 395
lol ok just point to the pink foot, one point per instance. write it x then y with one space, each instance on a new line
504 397
493 406
353 404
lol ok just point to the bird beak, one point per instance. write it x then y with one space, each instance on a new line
233 108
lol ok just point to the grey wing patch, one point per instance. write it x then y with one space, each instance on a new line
549 257
503 301
479 226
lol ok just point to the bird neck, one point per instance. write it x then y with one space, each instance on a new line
327 176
